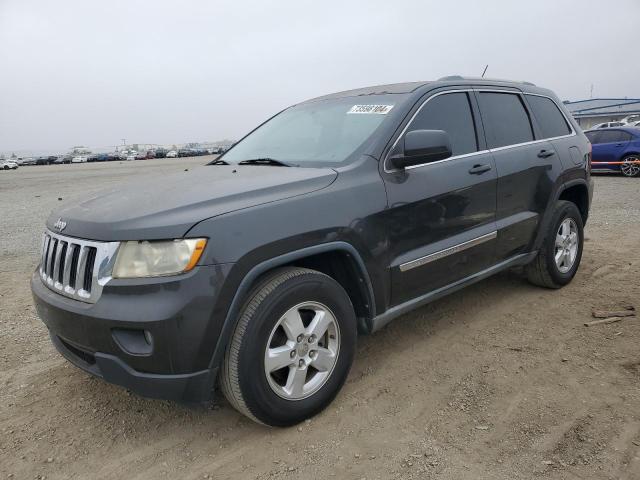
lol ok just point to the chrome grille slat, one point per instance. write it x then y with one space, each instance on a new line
47 260
52 259
56 263
45 253
76 268
66 272
82 264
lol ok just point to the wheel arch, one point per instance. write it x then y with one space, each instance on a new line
578 194
340 260
576 191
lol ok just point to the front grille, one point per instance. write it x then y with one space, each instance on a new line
76 268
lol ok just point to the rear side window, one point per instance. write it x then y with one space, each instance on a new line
505 119
450 112
612 136
552 122
593 137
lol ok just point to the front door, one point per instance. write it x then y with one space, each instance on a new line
441 216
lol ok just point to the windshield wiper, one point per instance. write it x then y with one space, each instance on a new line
218 162
265 161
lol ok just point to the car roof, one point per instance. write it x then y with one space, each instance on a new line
414 87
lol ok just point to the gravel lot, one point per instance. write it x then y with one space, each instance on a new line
499 381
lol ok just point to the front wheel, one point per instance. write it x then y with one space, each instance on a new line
292 348
561 251
630 166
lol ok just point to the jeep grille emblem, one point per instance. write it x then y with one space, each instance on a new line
60 225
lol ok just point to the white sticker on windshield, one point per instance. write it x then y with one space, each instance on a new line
374 109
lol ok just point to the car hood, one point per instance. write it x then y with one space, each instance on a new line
163 207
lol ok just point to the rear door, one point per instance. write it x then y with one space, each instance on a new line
441 215
527 169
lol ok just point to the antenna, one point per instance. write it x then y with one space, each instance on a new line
591 91
485 70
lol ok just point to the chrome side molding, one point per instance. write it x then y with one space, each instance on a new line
419 262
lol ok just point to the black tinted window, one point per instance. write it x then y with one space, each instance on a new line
593 137
612 136
451 113
551 121
505 119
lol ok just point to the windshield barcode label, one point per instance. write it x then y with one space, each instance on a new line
374 109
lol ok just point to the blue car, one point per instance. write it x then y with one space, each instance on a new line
616 149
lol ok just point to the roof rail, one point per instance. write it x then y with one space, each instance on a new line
460 77
451 77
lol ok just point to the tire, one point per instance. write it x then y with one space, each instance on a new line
632 170
297 390
544 270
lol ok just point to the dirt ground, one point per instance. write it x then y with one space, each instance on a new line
499 381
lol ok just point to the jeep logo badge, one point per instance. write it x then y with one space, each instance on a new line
60 225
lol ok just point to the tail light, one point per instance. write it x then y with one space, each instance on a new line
589 157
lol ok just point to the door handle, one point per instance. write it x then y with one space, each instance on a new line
478 169
545 153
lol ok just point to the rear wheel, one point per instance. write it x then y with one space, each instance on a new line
292 348
630 166
561 251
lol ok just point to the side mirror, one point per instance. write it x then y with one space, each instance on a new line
423 146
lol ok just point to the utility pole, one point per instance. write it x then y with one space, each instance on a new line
591 94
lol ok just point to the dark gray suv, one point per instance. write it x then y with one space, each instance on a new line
258 271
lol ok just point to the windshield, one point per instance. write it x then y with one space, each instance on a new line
317 133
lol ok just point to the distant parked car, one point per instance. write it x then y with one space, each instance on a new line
631 120
150 154
79 159
46 160
8 165
26 161
616 149
130 157
608 125
172 154
63 159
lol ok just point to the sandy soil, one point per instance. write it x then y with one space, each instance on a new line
499 381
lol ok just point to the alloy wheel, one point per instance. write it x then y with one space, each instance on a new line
630 166
566 246
302 351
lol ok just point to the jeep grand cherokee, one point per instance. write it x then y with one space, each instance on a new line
258 271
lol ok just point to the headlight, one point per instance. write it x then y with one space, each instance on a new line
154 259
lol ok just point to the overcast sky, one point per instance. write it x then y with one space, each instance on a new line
79 72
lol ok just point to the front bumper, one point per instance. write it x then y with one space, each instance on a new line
190 387
172 360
